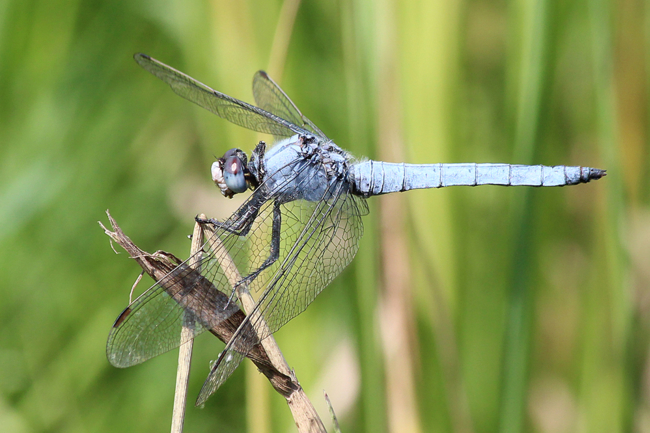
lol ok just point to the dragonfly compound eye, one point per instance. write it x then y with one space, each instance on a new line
233 174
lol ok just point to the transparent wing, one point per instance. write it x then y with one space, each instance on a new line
319 239
270 97
224 106
151 325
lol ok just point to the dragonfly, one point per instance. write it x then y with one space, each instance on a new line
298 229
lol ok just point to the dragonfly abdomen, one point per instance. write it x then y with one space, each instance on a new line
377 177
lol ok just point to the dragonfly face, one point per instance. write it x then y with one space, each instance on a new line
230 173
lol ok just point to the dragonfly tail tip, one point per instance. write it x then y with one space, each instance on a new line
596 173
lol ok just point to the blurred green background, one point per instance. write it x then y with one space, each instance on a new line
466 310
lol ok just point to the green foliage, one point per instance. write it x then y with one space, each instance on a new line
466 310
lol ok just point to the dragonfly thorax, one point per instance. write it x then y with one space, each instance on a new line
298 168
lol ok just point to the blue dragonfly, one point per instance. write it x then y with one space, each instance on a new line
294 234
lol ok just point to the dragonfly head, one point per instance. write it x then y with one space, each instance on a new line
230 172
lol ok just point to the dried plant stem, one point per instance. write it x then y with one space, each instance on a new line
185 350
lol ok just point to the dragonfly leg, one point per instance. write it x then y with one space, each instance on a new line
240 223
274 252
239 228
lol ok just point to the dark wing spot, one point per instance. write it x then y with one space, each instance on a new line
121 317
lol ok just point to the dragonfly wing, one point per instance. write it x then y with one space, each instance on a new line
224 106
152 324
319 239
270 97
228 362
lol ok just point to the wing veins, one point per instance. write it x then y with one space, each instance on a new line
240 343
238 112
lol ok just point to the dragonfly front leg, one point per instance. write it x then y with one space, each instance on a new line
242 221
